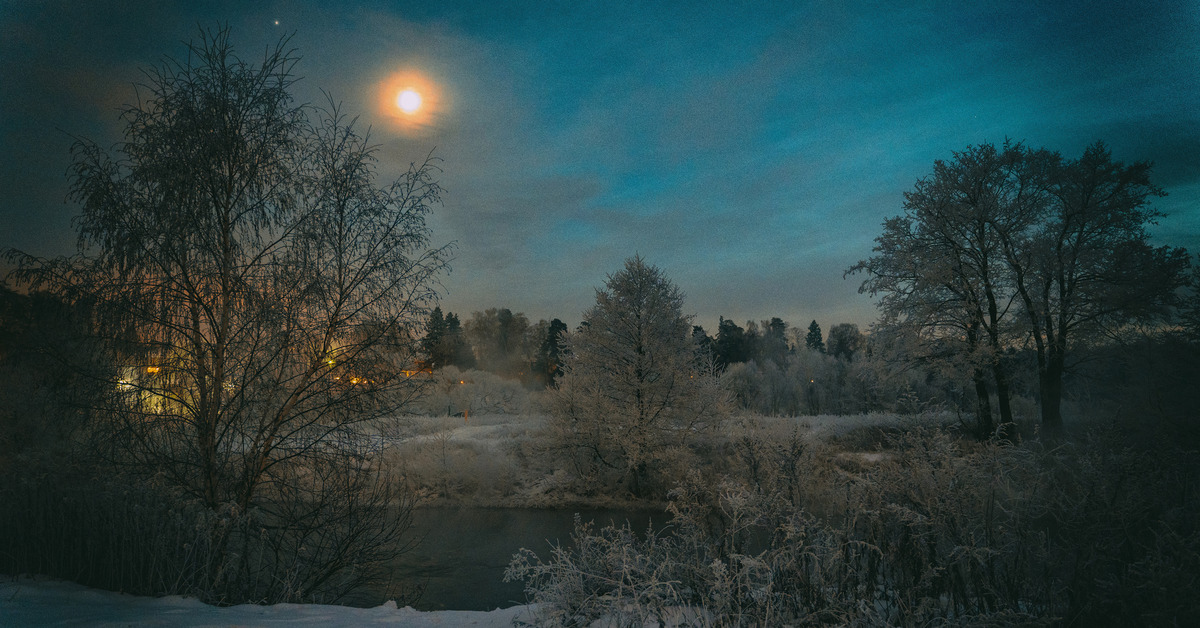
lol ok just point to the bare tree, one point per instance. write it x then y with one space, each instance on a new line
1083 266
1000 246
941 272
257 290
635 385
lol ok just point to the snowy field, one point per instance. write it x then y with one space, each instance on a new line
39 602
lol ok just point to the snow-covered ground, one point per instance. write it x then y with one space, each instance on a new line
41 602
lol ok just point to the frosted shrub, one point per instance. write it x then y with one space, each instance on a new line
612 574
939 532
128 534
812 383
688 573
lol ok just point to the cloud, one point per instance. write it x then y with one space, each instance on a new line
752 152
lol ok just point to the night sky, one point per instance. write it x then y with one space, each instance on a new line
749 150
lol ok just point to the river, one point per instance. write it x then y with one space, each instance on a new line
463 551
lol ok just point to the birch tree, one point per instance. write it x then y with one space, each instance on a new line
257 291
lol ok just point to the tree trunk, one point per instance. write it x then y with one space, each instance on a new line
983 424
993 330
983 402
1050 380
638 476
1002 396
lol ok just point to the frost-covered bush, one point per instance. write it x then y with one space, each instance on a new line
129 534
937 532
613 574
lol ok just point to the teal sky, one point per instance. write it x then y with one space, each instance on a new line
751 150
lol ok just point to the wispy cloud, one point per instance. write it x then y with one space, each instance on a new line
752 152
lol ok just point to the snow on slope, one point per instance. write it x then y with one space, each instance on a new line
40 602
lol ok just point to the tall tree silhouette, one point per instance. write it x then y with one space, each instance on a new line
258 288
1005 244
814 340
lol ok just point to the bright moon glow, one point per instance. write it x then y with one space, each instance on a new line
408 101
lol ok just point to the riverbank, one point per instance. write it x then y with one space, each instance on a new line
500 460
485 491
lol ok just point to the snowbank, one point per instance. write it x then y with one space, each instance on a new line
38 602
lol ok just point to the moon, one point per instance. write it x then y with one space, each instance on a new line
413 103
408 101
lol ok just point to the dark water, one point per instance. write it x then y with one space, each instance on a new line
464 551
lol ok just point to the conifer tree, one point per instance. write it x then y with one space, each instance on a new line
814 341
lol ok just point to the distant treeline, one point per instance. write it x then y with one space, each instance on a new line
498 341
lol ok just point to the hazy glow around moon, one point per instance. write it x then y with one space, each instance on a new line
409 101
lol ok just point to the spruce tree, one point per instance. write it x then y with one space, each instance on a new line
813 340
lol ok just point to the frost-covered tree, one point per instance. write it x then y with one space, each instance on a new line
435 332
1190 309
635 386
255 289
443 343
773 345
1085 267
1008 245
940 271
731 345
